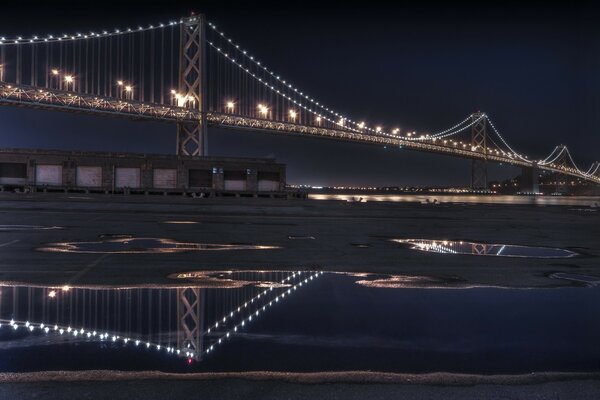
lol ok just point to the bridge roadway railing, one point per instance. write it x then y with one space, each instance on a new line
43 98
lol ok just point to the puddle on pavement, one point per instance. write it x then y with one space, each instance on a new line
579 278
484 249
311 321
130 245
27 227
236 279
181 222
115 236
409 282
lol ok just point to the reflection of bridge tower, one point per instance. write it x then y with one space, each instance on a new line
479 142
191 136
189 319
479 249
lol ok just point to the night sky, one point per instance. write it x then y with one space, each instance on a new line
534 70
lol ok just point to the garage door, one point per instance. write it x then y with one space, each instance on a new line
268 181
200 178
13 173
235 180
89 176
46 174
164 178
128 177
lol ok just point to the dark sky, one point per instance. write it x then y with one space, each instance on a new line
534 69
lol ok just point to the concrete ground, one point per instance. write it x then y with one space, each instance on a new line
336 226
232 389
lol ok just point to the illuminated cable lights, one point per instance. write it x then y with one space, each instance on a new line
80 36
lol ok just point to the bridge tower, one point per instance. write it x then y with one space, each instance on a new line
191 136
190 321
479 140
561 162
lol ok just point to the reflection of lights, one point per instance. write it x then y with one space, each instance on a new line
133 246
180 222
189 353
52 293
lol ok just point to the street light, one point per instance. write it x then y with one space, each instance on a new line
263 110
129 91
70 80
229 106
55 78
120 88
318 119
293 115
378 129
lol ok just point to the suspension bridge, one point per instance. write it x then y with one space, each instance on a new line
190 73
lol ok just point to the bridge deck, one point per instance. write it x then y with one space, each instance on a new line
42 98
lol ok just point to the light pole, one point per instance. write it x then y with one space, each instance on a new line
70 80
263 111
229 106
293 115
129 92
55 78
120 89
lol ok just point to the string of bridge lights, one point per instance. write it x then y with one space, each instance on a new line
83 36
504 141
225 335
547 160
241 308
361 126
280 80
266 84
114 337
93 334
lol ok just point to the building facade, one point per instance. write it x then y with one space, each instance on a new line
52 170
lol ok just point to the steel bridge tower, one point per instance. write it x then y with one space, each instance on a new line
191 136
563 163
190 321
479 140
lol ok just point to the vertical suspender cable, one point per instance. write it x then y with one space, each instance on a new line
162 66
142 82
152 61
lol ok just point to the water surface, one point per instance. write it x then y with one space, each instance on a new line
309 321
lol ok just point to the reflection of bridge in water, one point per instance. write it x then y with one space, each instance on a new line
186 321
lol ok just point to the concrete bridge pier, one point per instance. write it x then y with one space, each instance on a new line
529 179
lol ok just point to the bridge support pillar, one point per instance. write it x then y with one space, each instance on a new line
190 321
192 136
479 142
529 179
